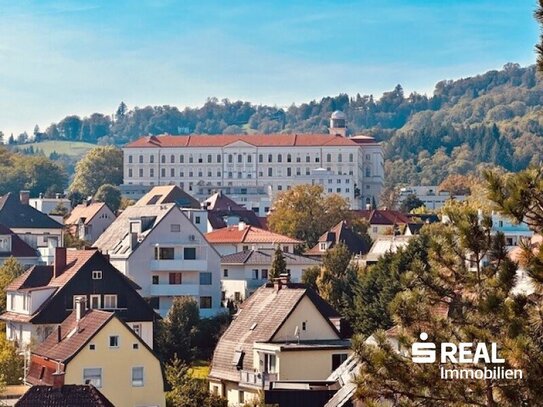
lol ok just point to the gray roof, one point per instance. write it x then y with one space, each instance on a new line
344 375
265 257
258 320
14 214
116 238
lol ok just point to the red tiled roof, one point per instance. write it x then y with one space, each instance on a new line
259 140
249 234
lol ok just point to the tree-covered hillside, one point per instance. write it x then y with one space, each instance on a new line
492 119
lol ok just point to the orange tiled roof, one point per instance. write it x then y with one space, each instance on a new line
259 140
84 211
249 234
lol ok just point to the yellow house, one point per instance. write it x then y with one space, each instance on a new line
284 331
95 347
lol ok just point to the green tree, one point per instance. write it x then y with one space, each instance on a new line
336 280
410 202
457 297
310 277
304 212
11 362
187 391
539 47
278 266
110 195
101 165
10 270
174 337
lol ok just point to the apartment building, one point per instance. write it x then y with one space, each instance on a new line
275 162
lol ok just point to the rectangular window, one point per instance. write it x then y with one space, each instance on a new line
205 278
264 274
137 329
205 302
95 301
130 159
97 275
155 279
197 220
137 376
114 341
225 273
255 274
93 376
338 359
241 397
141 172
172 172
110 301
270 172
175 227
189 253
130 173
176 278
164 253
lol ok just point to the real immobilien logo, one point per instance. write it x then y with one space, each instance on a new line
464 353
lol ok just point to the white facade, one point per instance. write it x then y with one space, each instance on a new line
429 195
48 205
170 260
273 167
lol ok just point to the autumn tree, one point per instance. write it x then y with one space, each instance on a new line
304 212
9 271
101 165
456 184
278 266
463 294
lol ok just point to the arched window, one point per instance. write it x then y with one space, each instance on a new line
279 158
141 159
163 159
260 158
351 157
181 158
368 172
289 158
152 159
339 158
230 158
172 159
328 157
209 158
130 159
240 158
270 158
249 158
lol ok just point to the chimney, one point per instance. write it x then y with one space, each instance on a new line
277 284
241 225
24 197
284 278
80 307
57 196
58 380
60 261
59 334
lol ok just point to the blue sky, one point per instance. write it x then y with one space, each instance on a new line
64 57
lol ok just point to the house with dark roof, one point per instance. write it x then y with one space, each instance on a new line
36 228
223 212
96 347
166 254
341 233
12 245
245 271
284 331
61 395
234 239
89 220
41 298
383 221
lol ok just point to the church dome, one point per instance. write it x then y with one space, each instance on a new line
338 114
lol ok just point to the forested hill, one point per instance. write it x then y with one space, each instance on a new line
491 118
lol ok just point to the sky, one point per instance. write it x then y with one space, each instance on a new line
60 57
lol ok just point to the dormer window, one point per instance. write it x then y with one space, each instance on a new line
323 246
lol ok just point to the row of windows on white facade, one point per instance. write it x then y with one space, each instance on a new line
248 158
93 376
231 174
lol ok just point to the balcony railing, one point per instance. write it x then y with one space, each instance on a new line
260 380
169 290
179 265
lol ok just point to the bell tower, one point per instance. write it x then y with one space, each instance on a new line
337 123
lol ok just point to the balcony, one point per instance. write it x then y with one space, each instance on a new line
179 265
260 380
170 290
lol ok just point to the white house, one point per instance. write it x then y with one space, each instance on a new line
158 247
244 272
89 220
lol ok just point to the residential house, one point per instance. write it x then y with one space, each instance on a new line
50 206
383 221
284 331
34 227
431 196
40 299
96 347
514 232
341 233
383 245
223 212
158 247
234 239
89 220
63 395
12 245
244 272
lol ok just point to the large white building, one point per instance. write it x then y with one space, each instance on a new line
352 167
